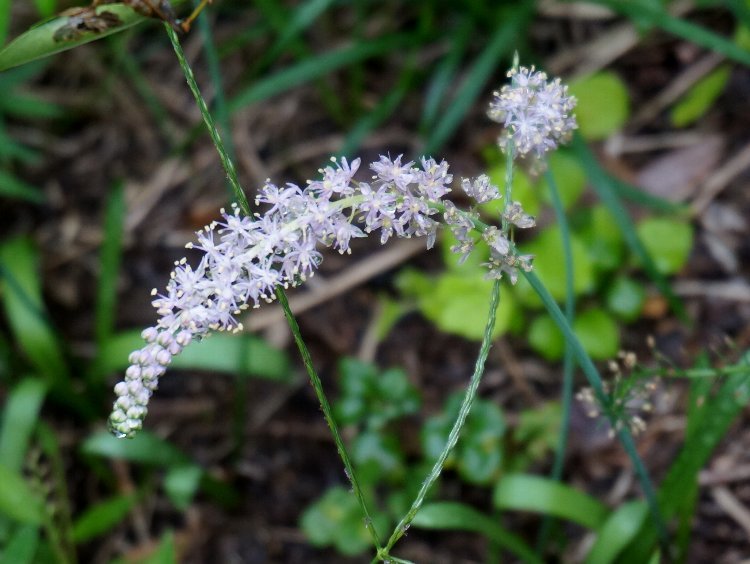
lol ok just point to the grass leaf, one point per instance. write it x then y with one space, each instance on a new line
454 516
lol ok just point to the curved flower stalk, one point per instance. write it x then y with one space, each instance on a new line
245 259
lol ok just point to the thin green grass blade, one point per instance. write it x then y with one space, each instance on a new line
101 517
618 530
657 16
452 516
595 380
26 106
371 120
607 193
13 188
21 546
19 418
708 424
300 19
444 76
244 355
130 67
17 499
476 78
24 309
4 20
219 103
566 399
525 492
316 67
109 261
637 196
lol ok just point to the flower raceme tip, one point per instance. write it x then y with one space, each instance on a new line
245 259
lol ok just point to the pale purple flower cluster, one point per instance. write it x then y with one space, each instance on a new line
245 259
535 112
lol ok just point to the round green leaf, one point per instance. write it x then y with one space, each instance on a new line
569 177
457 303
668 241
545 338
598 334
376 456
549 265
604 242
625 298
603 104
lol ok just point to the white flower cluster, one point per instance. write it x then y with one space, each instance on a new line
245 259
535 112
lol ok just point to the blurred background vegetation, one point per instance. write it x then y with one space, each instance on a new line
106 171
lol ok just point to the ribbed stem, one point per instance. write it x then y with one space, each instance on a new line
280 294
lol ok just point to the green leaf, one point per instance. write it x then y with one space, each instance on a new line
668 241
569 177
549 264
452 516
144 448
625 298
377 456
22 297
536 434
12 187
603 104
245 355
700 97
181 484
457 303
17 500
524 492
102 517
21 548
166 552
19 418
315 67
606 188
475 79
39 41
478 455
600 233
598 333
110 257
336 519
545 338
619 529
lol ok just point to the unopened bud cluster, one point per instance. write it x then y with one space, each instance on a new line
246 259
631 395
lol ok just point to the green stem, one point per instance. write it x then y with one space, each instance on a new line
226 162
471 392
623 434
327 412
280 294
569 362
